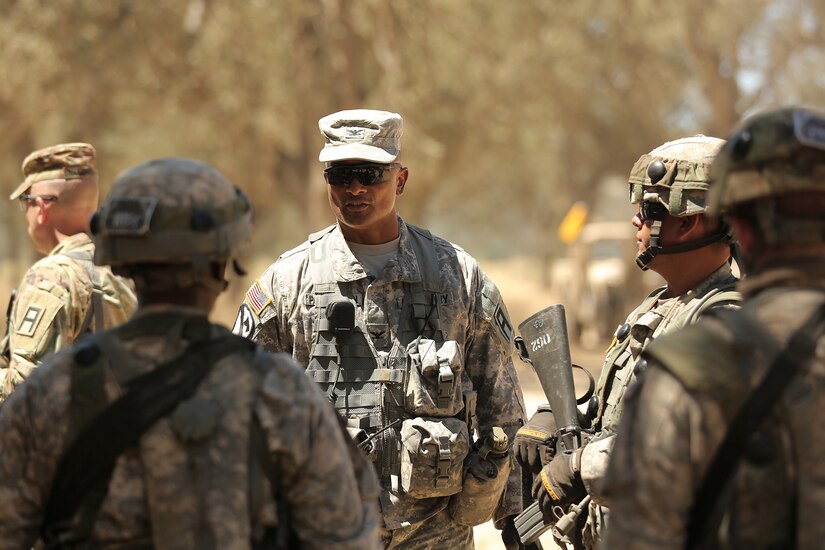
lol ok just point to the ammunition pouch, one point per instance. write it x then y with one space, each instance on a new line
433 385
432 456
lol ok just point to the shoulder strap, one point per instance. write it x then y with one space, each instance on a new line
95 311
715 297
91 458
424 246
705 517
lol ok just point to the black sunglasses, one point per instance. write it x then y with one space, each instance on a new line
652 211
368 173
26 199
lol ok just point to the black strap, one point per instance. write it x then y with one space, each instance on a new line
704 517
91 458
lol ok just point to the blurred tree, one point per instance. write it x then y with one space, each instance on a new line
513 111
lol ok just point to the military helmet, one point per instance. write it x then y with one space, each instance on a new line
674 179
676 175
772 154
171 212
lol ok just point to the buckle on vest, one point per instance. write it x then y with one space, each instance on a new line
443 466
446 380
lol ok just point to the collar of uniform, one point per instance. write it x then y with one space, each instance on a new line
723 275
167 319
404 267
71 243
803 272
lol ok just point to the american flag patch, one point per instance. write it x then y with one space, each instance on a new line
257 297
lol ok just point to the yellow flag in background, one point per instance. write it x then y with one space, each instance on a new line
573 221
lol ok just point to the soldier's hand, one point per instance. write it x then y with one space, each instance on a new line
560 482
535 442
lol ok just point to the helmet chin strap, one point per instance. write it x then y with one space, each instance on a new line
654 249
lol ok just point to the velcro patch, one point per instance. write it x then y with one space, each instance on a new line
30 320
35 311
258 297
810 130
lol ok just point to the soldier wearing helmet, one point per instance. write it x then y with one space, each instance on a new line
691 252
64 295
724 422
169 431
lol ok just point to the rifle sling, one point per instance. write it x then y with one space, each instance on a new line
90 460
705 519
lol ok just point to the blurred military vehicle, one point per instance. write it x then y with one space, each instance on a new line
597 279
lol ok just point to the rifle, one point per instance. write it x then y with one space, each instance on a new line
544 345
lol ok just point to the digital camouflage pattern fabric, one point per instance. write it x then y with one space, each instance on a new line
707 386
191 473
672 428
279 312
53 303
657 315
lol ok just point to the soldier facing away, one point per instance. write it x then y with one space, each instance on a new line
169 431
406 336
64 295
725 420
691 252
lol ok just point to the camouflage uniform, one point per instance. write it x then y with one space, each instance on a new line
160 492
255 446
657 315
279 313
699 378
674 178
64 295
53 307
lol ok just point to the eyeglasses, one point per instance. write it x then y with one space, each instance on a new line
369 173
26 200
652 211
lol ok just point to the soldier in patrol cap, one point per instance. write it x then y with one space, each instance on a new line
407 337
691 252
725 422
169 431
64 295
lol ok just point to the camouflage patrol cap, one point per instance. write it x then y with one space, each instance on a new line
773 153
67 161
171 211
676 174
363 134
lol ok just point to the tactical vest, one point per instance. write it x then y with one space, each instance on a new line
366 381
619 372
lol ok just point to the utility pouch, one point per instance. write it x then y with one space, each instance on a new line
488 468
432 456
434 381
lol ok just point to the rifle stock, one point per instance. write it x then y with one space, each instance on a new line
545 346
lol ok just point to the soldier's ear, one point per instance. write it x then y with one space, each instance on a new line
402 181
691 226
